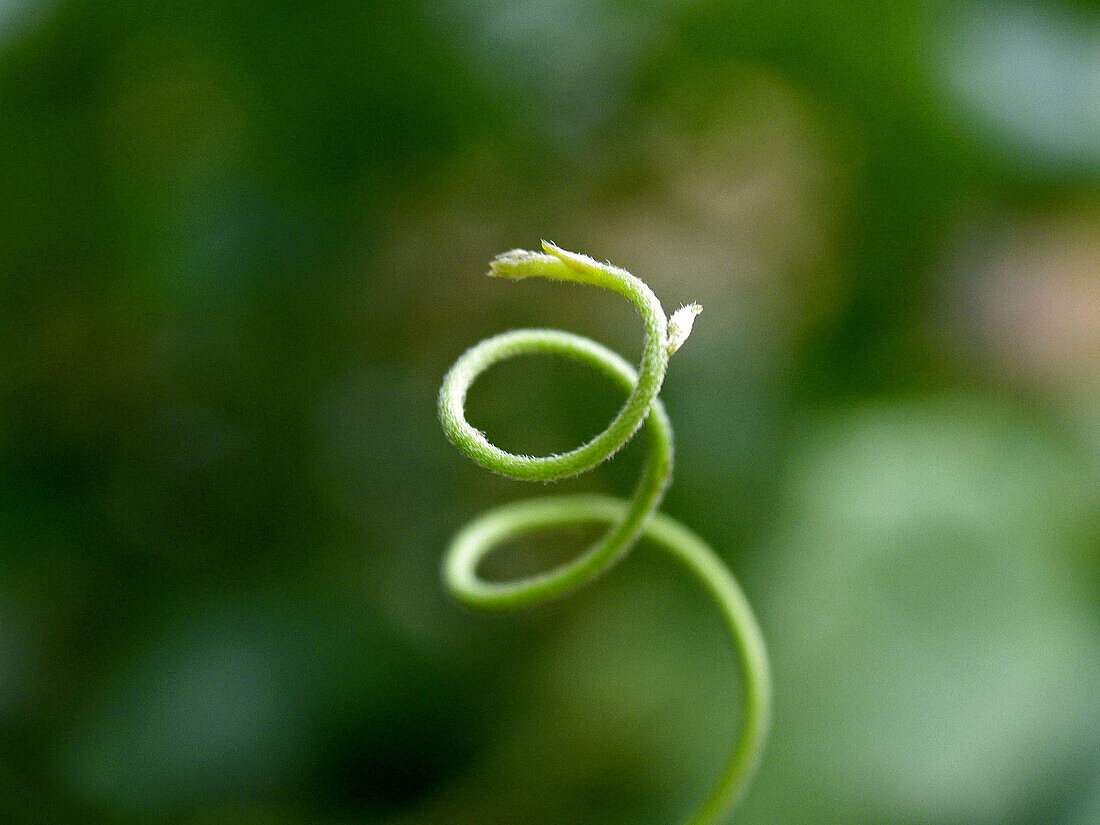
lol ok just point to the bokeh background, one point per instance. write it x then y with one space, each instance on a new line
240 244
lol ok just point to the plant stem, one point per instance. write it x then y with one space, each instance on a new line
626 520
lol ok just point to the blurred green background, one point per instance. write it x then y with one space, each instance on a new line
240 244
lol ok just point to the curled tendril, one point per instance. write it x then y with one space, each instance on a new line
627 521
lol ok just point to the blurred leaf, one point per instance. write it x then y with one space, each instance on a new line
934 655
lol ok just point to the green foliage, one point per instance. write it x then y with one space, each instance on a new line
229 234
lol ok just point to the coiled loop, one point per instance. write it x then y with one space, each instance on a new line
626 520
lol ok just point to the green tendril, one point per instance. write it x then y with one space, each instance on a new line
627 521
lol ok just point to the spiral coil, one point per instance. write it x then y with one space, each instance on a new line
627 521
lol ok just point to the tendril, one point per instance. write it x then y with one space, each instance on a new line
626 521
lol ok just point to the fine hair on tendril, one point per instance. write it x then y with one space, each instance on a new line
626 521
